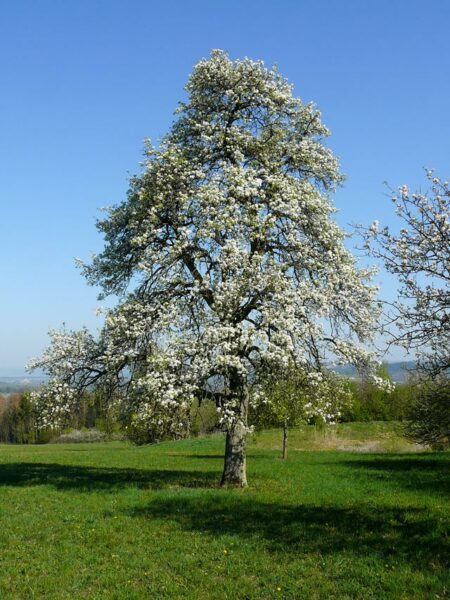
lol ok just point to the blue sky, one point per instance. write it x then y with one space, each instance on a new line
84 82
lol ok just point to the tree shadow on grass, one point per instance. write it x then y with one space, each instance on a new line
220 457
85 478
428 473
395 535
201 456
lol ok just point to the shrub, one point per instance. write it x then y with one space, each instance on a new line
372 404
75 436
429 416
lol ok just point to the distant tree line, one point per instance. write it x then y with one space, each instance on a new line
19 419
286 406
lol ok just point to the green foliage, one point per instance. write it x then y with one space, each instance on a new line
95 418
201 417
286 400
370 403
17 420
293 398
204 417
95 410
429 416
112 521
158 430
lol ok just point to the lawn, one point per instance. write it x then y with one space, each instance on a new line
111 520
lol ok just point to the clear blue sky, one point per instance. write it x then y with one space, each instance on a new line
83 82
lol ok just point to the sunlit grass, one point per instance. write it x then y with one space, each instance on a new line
380 436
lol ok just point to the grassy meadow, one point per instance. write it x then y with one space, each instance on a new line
355 512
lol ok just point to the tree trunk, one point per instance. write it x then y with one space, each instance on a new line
285 439
234 470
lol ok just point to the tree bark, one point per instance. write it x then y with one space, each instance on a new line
285 439
234 470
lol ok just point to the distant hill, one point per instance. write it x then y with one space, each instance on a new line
11 385
398 371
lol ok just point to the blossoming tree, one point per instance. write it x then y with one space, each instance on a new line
228 261
294 398
419 255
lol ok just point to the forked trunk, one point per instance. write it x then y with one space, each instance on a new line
234 470
285 439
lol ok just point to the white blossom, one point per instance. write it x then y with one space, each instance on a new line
419 255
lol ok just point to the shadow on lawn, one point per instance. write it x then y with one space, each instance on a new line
393 535
87 478
429 473
202 456
219 457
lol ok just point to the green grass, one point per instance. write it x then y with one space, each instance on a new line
115 521
378 436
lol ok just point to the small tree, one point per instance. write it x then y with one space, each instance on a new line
228 260
294 398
